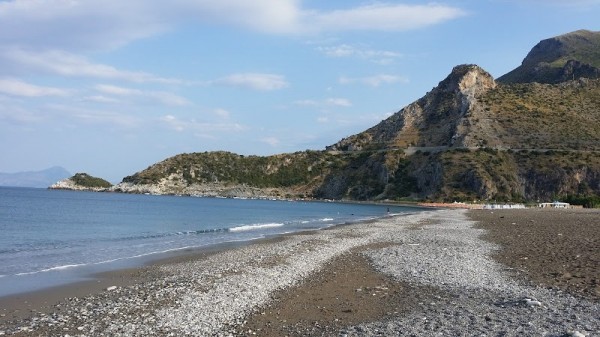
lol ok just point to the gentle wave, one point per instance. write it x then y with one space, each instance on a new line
326 219
255 227
68 266
170 234
52 269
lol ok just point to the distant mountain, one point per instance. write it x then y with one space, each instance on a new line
567 57
40 179
469 138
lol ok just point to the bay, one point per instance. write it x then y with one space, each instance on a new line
54 237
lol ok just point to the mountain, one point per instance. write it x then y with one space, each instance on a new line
38 179
473 138
470 138
437 119
567 57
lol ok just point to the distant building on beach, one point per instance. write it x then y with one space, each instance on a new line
503 206
555 204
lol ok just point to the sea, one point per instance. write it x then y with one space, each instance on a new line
56 237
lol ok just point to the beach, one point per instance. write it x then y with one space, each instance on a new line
449 272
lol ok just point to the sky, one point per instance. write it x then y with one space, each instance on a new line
109 87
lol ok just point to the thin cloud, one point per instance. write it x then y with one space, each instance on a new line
69 65
96 116
15 87
385 17
101 99
273 141
343 102
558 3
181 125
306 102
254 81
222 113
322 120
333 101
345 50
19 116
166 98
374 81
118 91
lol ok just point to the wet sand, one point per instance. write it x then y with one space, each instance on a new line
558 249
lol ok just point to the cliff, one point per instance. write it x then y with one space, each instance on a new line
435 120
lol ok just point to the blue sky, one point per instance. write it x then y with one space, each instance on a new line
110 87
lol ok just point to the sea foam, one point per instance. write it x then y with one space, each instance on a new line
255 227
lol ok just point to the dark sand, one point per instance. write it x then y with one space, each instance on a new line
347 292
557 248
553 248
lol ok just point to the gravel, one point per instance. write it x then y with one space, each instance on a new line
214 295
484 297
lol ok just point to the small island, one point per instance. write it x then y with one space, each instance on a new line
82 182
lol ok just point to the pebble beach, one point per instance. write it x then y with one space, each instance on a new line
449 272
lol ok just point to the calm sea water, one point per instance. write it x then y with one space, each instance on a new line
52 237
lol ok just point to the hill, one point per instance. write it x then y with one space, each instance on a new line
82 182
567 57
37 179
469 138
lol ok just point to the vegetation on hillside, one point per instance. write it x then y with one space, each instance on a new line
517 176
283 170
85 180
542 116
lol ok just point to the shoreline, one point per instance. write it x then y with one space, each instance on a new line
77 272
315 283
20 306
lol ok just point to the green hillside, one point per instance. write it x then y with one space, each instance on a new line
541 116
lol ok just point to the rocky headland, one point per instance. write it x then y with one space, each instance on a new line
82 182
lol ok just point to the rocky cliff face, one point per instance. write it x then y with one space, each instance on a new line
437 119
